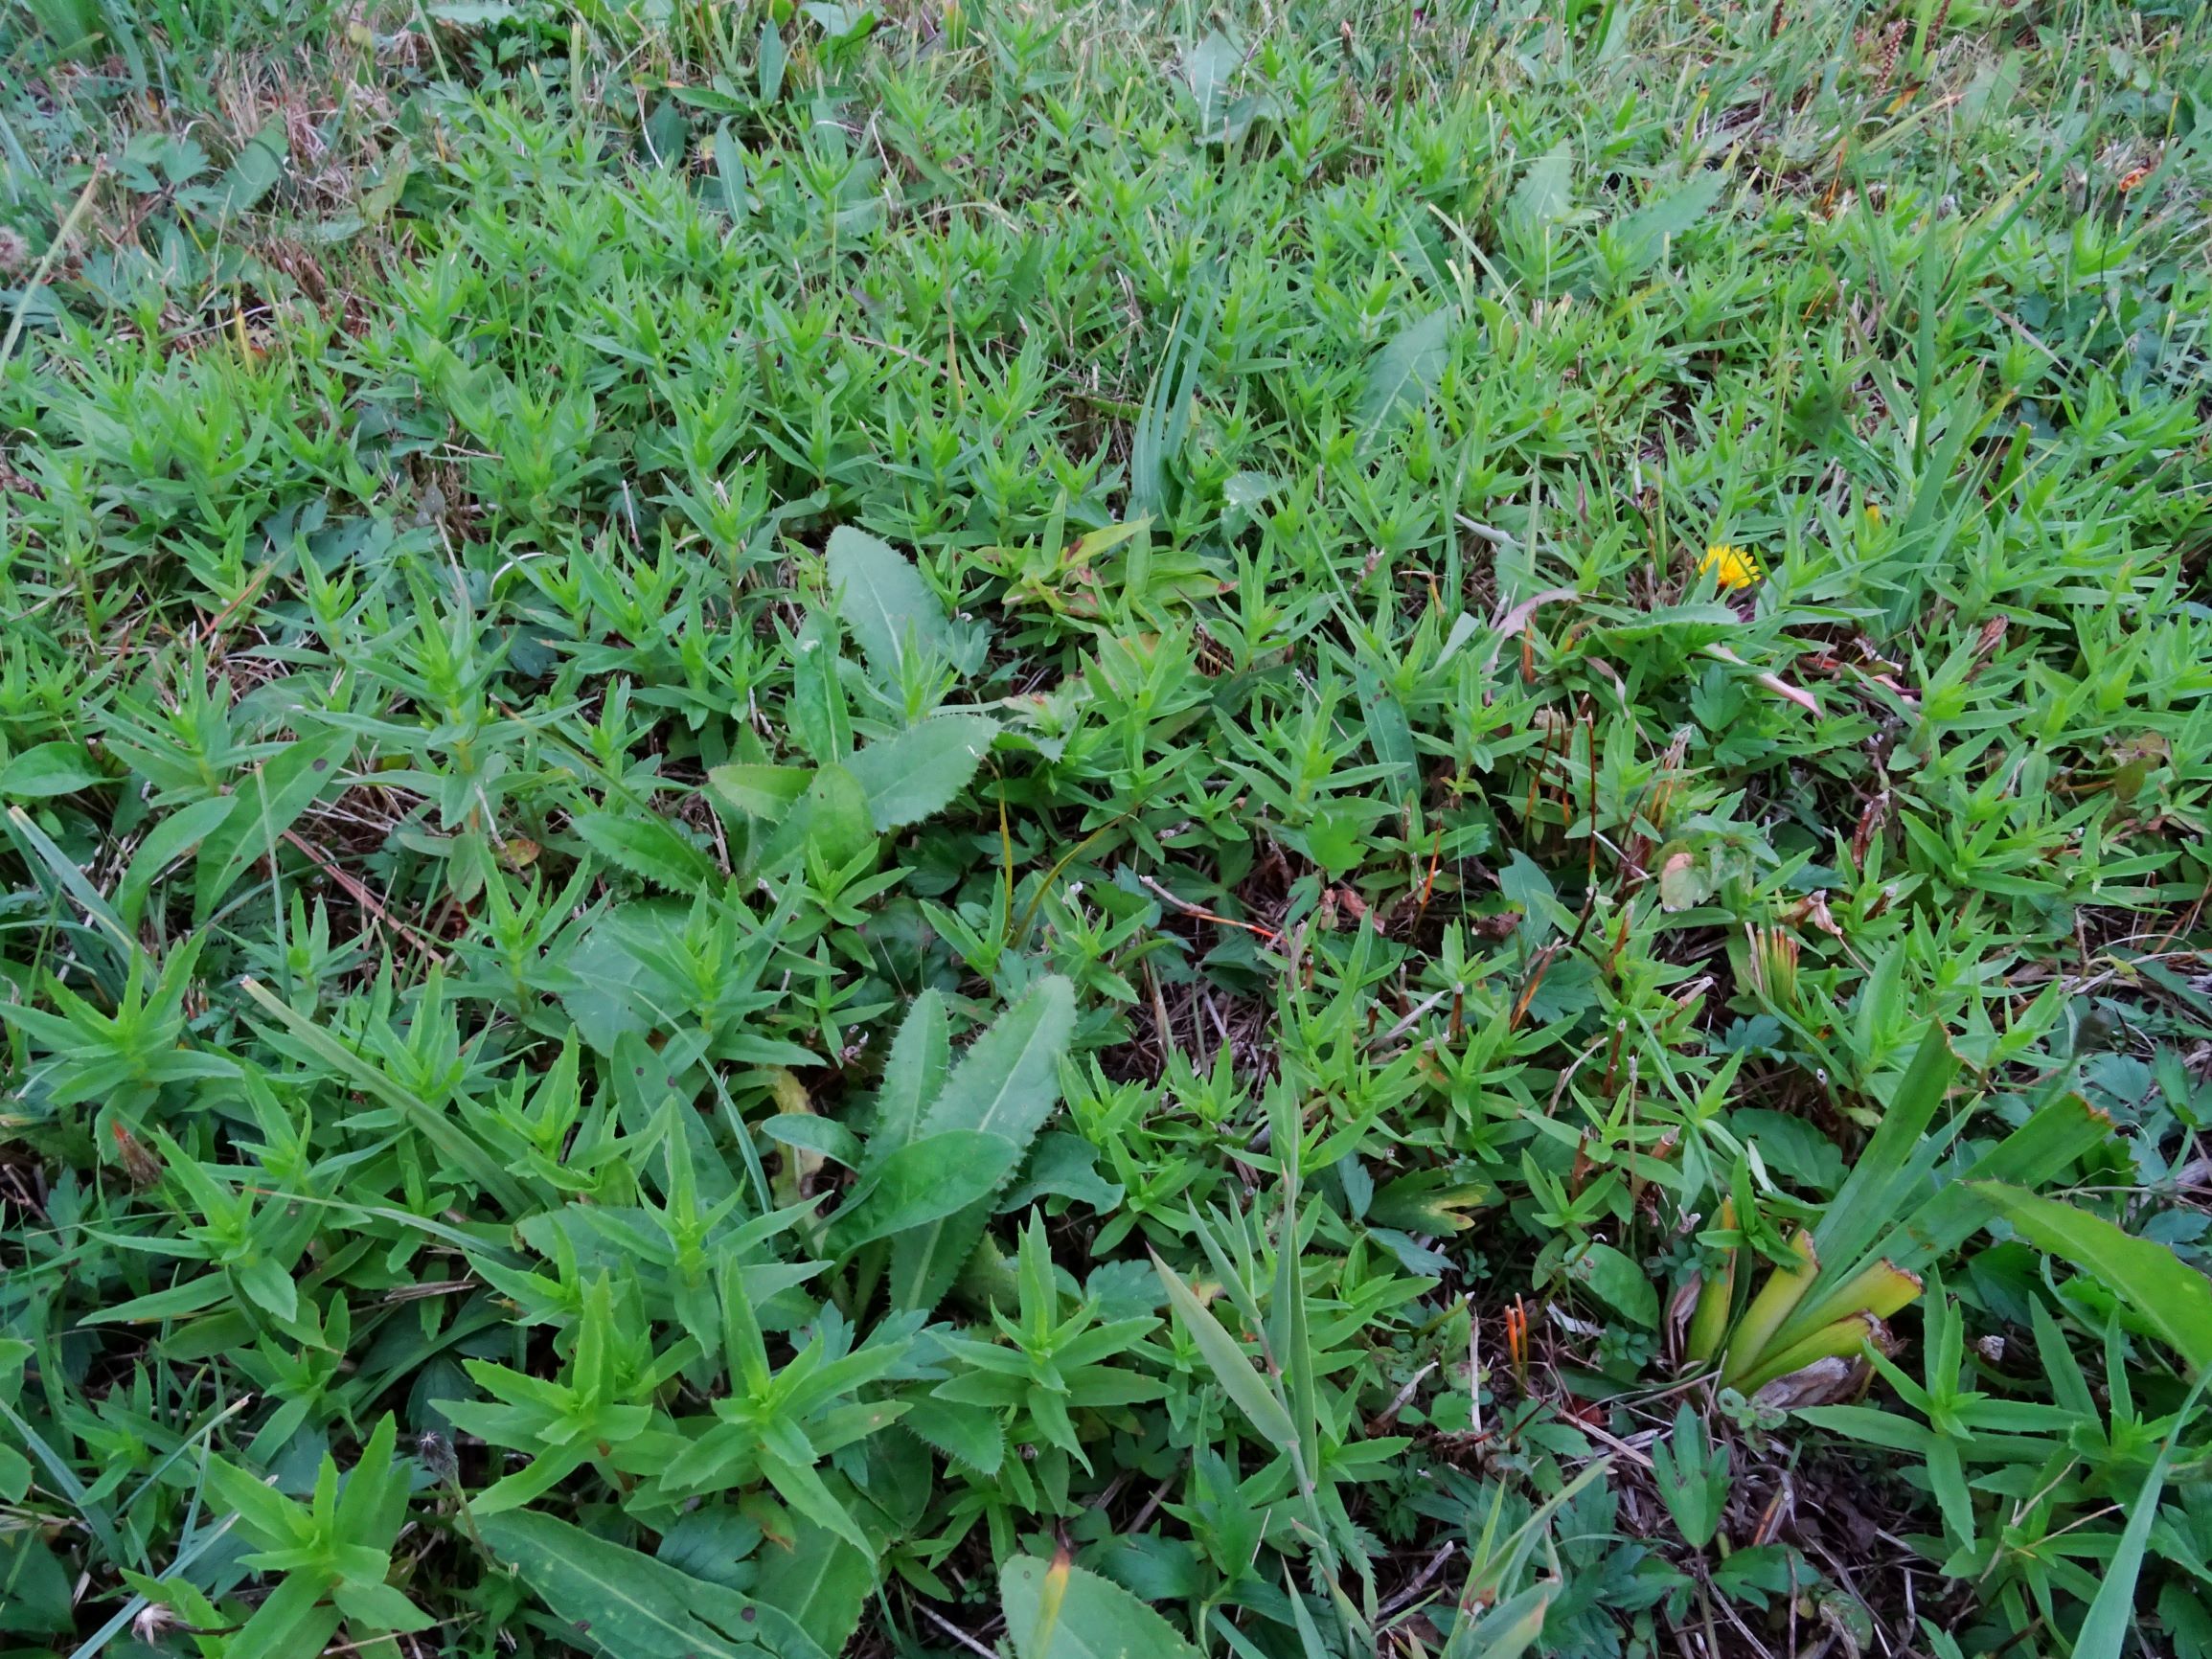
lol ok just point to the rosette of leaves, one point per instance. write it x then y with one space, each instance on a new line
1862 1261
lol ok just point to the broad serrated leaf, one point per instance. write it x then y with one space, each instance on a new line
969 1434
907 778
772 58
1063 1165
1208 69
818 1580
648 845
1644 233
2171 1298
1005 1085
923 1181
256 171
1009 1079
764 792
832 817
913 1074
884 601
628 1604
1403 373
1056 1610
1545 195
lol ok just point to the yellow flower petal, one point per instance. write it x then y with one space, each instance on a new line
1731 566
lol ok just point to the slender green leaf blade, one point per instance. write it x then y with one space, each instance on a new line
273 798
1507 1630
2104 1632
1868 1200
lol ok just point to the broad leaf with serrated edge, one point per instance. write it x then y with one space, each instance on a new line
883 600
917 773
1058 1610
1006 1084
1405 373
628 1604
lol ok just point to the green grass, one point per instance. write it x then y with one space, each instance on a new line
941 832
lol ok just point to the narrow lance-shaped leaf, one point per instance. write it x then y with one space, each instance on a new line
2053 1137
1869 1201
1292 1341
2104 1632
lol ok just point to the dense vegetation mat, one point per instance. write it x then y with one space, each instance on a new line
1067 831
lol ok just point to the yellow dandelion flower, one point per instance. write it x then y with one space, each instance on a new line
1731 566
